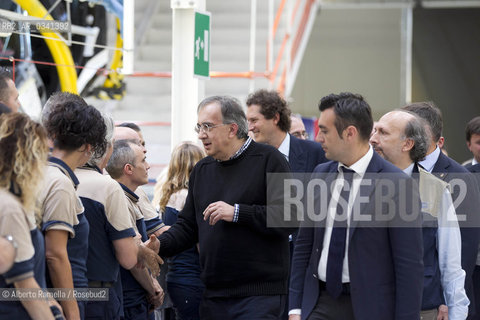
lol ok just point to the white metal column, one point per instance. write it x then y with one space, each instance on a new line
187 91
128 36
253 37
406 55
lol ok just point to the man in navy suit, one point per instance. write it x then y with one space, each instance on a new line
475 169
472 133
269 120
465 191
357 270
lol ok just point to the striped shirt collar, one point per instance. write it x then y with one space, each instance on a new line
242 149
129 193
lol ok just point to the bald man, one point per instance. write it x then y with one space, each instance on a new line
400 138
297 128
125 133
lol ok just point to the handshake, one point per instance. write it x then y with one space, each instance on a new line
148 255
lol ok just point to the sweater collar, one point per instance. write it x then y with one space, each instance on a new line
240 151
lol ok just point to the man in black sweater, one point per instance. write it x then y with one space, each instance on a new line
245 263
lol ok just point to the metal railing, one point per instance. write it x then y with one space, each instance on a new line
298 17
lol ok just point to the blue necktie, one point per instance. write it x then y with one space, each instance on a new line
336 250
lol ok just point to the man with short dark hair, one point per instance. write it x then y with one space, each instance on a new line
343 268
153 222
464 188
400 138
472 133
244 261
269 119
8 92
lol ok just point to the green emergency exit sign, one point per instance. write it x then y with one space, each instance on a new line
201 47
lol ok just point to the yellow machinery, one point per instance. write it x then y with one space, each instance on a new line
60 52
113 87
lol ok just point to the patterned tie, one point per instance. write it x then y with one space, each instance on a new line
336 250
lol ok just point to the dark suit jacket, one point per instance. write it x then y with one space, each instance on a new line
448 169
474 168
385 263
305 155
468 166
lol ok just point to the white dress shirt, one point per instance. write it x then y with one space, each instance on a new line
449 247
360 167
284 148
429 162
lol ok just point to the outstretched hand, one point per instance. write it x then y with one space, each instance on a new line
149 259
153 243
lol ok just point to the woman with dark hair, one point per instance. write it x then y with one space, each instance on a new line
183 278
112 235
23 154
77 132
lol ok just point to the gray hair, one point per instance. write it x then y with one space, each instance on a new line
59 98
110 124
122 154
232 112
415 130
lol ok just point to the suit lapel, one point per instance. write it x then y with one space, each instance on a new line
295 156
440 169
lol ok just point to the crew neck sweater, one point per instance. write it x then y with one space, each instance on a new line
243 258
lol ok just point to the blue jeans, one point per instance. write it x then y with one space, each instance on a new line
111 309
186 300
138 312
81 308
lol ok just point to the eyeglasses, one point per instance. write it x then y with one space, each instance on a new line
300 134
206 127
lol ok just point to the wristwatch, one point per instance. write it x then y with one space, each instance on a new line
12 241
